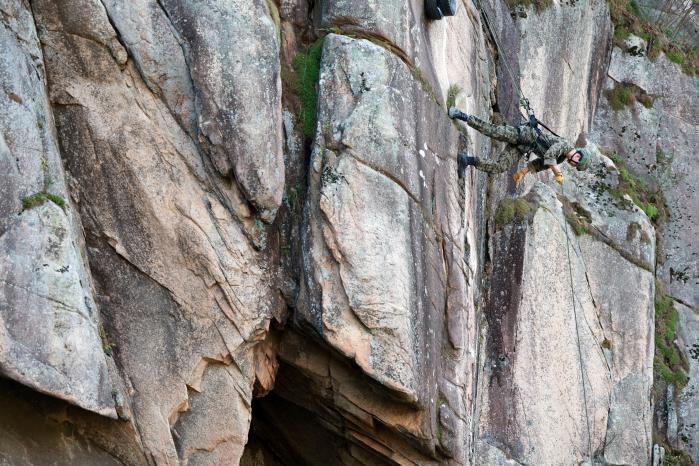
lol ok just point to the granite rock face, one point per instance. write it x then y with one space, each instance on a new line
688 406
659 143
219 288
567 350
49 324
385 259
562 56
182 290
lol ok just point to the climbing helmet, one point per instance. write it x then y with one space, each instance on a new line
584 161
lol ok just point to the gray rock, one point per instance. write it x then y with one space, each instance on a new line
635 45
150 38
233 52
178 282
562 57
49 337
562 363
385 269
688 405
658 144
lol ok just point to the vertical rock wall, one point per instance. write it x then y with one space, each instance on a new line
185 227
49 324
658 143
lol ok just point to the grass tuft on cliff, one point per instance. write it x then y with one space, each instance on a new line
452 94
307 68
625 95
669 364
510 210
38 199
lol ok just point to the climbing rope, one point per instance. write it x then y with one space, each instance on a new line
525 108
533 122
577 334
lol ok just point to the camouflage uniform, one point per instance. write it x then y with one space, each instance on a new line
520 141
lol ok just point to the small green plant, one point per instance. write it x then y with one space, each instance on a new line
669 363
620 35
620 96
606 344
650 210
634 9
579 224
675 56
452 94
510 210
39 198
107 346
307 68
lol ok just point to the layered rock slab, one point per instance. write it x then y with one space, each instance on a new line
385 268
49 330
232 49
563 379
183 291
563 51
687 433
659 143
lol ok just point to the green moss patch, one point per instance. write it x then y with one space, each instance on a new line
38 199
307 68
510 210
452 94
625 95
669 364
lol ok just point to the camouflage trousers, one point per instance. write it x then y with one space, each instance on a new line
517 141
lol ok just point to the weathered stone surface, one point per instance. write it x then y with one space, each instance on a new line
386 228
183 293
635 45
233 52
563 360
562 55
49 337
688 408
448 52
659 144
151 40
38 429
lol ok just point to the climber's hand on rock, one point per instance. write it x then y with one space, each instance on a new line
559 178
519 175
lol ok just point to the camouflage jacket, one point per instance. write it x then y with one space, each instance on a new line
551 149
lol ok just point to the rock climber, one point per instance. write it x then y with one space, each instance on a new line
521 140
